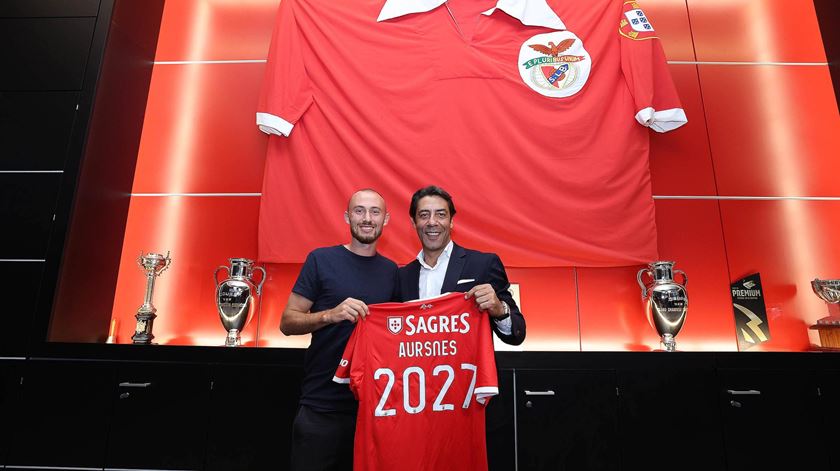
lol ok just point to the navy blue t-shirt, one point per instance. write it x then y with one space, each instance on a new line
329 276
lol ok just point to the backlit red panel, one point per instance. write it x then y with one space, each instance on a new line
201 233
789 243
199 135
756 30
281 278
774 130
216 30
670 21
549 304
680 160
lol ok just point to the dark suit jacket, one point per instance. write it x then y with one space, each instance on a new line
467 264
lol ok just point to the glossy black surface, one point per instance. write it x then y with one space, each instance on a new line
41 8
44 53
501 427
35 129
27 205
20 281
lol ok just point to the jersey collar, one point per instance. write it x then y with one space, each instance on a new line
528 12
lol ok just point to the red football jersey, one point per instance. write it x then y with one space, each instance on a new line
538 110
422 372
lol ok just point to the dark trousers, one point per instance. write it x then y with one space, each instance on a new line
323 441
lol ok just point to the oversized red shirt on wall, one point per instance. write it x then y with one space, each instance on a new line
533 115
423 373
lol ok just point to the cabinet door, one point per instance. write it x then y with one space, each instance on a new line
501 431
769 420
668 413
566 420
828 411
62 415
160 417
245 401
10 373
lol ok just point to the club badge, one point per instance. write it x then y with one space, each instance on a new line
554 64
395 324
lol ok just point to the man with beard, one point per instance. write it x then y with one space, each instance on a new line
443 266
332 292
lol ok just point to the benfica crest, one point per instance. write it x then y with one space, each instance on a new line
395 324
554 64
634 23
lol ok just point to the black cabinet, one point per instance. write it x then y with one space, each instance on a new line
160 416
771 419
566 420
828 416
22 280
668 414
10 373
61 417
244 401
501 427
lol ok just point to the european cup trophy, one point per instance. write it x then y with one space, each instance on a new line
828 291
153 264
666 301
237 297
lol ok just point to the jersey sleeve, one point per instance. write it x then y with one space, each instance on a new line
286 90
486 381
646 73
350 365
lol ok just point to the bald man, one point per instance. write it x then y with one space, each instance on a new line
332 293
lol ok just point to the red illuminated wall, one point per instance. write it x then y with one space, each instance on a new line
737 189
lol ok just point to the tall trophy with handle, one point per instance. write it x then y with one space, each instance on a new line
237 297
153 264
666 301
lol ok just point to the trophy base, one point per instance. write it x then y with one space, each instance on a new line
233 339
829 333
669 343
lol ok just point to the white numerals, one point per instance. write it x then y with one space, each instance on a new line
421 381
439 405
450 376
380 411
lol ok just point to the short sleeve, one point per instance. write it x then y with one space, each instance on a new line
286 90
308 283
645 70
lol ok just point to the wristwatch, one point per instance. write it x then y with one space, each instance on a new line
506 314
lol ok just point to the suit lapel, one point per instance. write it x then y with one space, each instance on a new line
411 283
453 271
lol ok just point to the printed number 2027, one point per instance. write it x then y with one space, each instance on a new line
438 405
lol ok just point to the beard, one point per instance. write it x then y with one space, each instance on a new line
363 237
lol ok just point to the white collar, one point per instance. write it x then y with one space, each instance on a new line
528 12
447 252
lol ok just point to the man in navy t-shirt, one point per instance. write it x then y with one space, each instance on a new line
332 292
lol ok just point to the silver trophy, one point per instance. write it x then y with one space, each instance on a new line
153 264
235 298
828 291
666 301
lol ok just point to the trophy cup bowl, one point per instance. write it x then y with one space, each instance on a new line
827 290
666 301
237 297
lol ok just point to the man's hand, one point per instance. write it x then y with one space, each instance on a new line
485 297
350 309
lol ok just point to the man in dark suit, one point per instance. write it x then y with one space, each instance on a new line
443 267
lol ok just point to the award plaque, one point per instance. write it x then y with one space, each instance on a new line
153 264
237 297
666 301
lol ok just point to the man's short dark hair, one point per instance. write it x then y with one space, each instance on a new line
430 190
